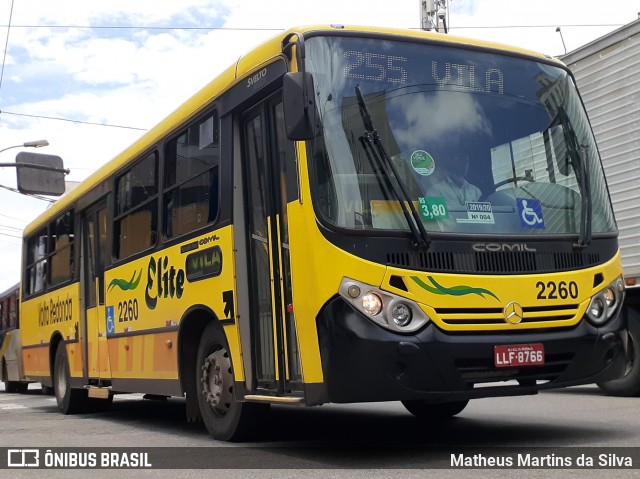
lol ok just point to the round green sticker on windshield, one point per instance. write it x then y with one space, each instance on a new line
422 162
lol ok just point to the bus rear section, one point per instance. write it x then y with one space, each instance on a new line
11 371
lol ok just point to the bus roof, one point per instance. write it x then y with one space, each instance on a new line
9 291
246 64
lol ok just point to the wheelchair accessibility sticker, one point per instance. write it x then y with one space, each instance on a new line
111 325
530 212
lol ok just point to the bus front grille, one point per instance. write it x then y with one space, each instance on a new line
493 262
560 315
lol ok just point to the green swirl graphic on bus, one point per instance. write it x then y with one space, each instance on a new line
126 285
459 290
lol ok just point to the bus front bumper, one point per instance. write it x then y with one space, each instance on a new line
364 362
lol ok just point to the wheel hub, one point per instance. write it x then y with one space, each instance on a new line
217 381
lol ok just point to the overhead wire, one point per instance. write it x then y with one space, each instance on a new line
258 29
38 197
11 227
5 112
11 217
6 44
140 27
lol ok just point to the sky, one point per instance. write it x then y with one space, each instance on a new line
91 76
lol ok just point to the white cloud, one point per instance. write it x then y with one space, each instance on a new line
134 77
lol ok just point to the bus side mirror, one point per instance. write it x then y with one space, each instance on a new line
40 174
298 100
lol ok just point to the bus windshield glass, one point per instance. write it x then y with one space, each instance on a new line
480 142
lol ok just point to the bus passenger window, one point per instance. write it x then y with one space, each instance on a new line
36 262
135 223
61 246
191 178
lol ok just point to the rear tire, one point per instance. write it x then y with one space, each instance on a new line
9 386
70 401
435 411
225 418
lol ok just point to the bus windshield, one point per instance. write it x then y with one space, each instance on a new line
480 142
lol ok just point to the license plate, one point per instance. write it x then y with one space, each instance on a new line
511 355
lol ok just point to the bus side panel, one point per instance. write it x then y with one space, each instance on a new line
148 297
41 319
150 356
36 361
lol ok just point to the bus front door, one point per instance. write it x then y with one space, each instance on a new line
270 183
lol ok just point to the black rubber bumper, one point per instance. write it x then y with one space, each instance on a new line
362 361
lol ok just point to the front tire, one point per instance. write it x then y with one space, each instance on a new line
435 411
628 384
70 401
225 418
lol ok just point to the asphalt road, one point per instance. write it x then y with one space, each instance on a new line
365 440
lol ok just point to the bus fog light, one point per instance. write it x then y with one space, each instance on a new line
372 303
596 309
401 314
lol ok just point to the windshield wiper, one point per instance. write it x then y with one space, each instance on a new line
378 154
580 161
585 212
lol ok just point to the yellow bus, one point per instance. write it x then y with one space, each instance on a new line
344 215
11 372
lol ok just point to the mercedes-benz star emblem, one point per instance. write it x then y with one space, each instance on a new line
513 313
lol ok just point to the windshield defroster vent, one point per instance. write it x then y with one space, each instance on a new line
503 262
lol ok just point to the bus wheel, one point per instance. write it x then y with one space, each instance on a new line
225 418
70 401
9 386
629 383
435 410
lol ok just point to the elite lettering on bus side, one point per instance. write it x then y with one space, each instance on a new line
163 281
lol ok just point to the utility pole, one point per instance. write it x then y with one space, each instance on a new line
434 15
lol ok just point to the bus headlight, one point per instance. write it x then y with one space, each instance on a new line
371 303
609 297
604 304
390 311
